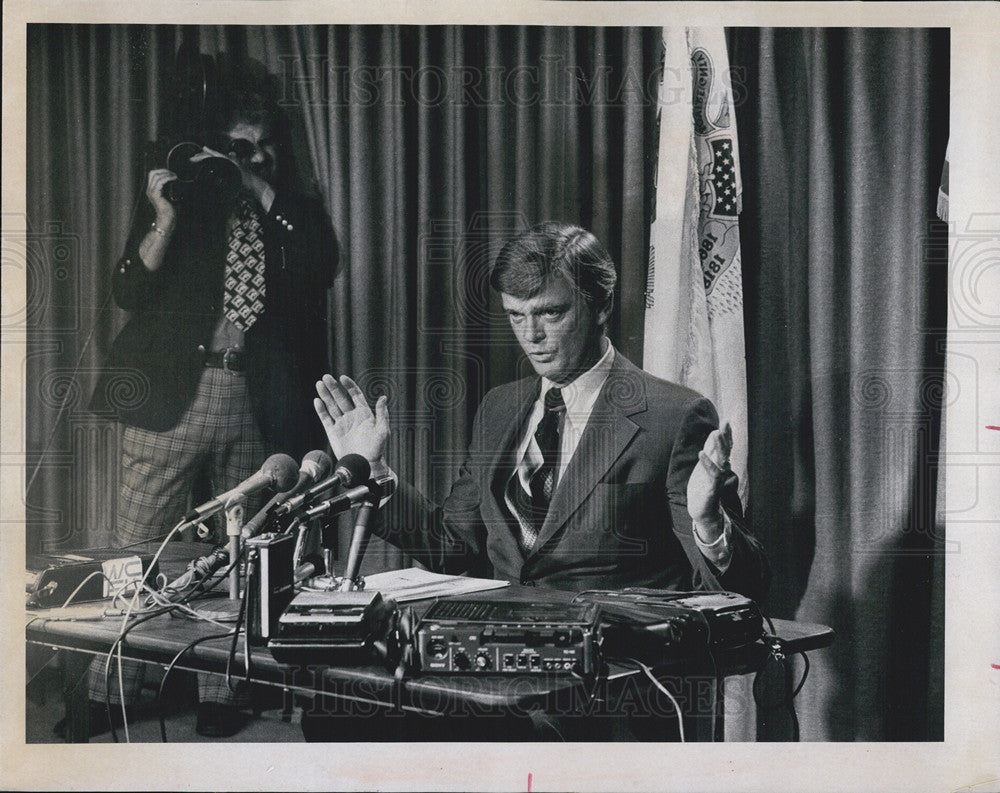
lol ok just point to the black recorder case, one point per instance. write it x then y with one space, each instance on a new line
311 626
658 624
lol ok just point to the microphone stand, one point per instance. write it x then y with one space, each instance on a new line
352 580
234 527
228 609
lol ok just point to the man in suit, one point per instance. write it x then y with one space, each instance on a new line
591 474
227 336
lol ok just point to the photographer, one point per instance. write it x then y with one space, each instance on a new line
227 336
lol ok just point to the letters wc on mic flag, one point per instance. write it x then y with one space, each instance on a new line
694 285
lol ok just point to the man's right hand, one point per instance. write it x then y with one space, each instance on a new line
166 214
350 424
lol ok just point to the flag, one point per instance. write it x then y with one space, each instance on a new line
942 202
694 285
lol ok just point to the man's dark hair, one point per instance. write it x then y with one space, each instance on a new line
243 105
525 264
247 106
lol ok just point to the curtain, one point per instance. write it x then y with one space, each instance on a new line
92 94
428 145
843 134
425 171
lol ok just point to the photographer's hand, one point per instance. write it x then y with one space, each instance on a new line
154 244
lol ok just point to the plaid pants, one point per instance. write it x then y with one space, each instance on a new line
158 470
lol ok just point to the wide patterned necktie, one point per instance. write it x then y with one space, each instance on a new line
244 283
530 510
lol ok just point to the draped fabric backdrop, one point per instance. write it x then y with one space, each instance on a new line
842 138
429 145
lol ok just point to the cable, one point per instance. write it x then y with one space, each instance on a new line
84 581
246 622
592 694
778 655
805 674
65 400
123 630
716 682
76 366
770 625
170 609
775 653
539 719
649 673
138 621
790 702
155 597
126 627
210 581
236 636
55 654
169 669
128 613
119 547
111 654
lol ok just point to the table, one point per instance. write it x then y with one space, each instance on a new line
157 641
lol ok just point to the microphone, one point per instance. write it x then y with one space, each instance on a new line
278 471
374 491
310 566
315 465
200 568
351 469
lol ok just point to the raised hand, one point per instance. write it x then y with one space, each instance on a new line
350 424
704 490
156 180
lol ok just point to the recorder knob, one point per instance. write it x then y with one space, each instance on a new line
483 660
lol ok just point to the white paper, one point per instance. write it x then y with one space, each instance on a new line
415 584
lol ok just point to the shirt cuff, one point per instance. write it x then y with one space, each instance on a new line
720 552
395 483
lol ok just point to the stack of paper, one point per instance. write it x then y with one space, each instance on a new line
416 584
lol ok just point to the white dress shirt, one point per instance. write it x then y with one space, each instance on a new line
579 397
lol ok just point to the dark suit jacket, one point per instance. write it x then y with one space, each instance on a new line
154 365
618 516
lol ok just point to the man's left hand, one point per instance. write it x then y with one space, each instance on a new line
704 490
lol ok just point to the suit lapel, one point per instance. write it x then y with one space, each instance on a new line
609 430
503 435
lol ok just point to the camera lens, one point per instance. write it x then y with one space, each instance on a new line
219 181
241 148
179 160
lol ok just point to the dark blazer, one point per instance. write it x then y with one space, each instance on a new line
618 516
154 365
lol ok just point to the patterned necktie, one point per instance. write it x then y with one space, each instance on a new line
244 284
530 510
